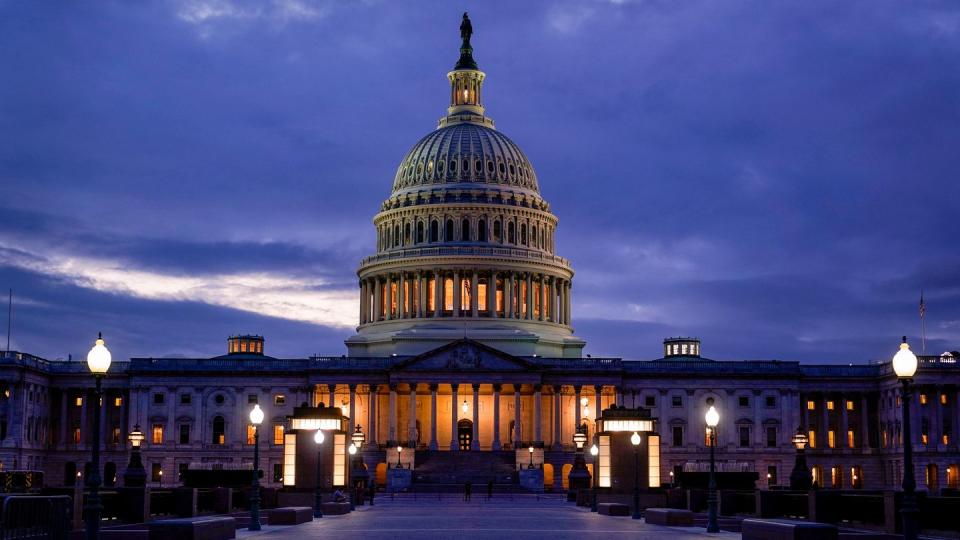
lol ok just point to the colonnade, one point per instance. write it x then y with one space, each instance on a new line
450 293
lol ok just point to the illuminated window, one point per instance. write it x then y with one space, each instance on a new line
653 460
482 295
707 439
76 435
279 399
431 291
523 298
830 405
157 434
79 401
849 405
812 438
289 459
603 479
536 300
278 434
251 432
817 473
465 295
218 430
943 399
850 439
836 477
953 476
115 436
831 439
923 438
811 405
339 459
448 294
945 438
393 297
884 438
117 401
923 399
856 480
500 297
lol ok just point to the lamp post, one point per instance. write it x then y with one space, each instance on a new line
905 366
713 418
256 418
530 450
358 476
635 441
800 477
352 450
579 478
160 474
399 450
318 494
135 475
594 451
98 360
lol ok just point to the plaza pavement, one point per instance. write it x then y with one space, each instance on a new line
517 519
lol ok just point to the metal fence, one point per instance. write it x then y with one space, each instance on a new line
36 517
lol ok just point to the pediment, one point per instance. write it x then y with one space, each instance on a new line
465 355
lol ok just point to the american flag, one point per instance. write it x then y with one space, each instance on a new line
923 307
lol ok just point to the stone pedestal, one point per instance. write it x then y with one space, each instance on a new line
532 479
399 479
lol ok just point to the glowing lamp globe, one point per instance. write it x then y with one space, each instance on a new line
358 437
352 449
318 437
904 362
800 439
464 407
136 437
399 449
530 449
712 417
580 437
256 415
635 438
584 401
99 358
594 450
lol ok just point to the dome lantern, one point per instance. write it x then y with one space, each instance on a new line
466 81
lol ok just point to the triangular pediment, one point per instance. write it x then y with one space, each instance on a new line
465 355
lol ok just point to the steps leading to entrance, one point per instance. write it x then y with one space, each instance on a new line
456 468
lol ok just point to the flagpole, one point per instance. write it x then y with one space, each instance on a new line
923 326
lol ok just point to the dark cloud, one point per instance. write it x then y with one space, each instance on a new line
775 178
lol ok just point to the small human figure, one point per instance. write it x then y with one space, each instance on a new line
339 497
467 487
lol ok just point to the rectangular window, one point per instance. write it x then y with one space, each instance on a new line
482 295
943 399
603 479
466 295
677 432
653 460
448 294
339 459
923 399
115 437
536 300
158 399
279 399
393 298
277 472
156 472
830 405
771 475
850 405
431 291
523 298
650 401
744 401
836 478
817 473
250 433
500 297
676 401
771 437
744 436
118 401
79 401
184 433
278 434
76 435
289 458
831 439
707 441
812 438
252 399
157 434
811 405
851 440
184 399
771 402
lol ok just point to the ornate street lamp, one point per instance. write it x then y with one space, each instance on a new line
358 474
530 466
712 418
594 452
800 477
135 475
905 366
318 494
635 441
399 451
464 407
579 477
98 360
256 418
352 450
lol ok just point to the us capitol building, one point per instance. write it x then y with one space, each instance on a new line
465 343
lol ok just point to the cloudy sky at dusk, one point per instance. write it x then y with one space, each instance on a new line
777 178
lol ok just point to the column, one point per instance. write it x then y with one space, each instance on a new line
568 316
353 410
475 442
558 301
507 295
433 416
517 432
437 293
618 392
492 295
422 294
332 389
496 415
412 419
83 418
388 309
401 296
362 287
372 421
171 397
529 299
474 294
576 407
543 297
454 403
864 422
392 418
537 404
557 427
456 293
377 299
844 423
64 419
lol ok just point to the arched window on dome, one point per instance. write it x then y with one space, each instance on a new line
453 166
523 234
419 232
497 233
478 166
465 230
533 235
482 230
406 234
511 236
466 167
448 231
396 235
434 231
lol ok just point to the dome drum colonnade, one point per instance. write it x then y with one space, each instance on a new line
465 237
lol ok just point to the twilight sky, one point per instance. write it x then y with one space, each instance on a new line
777 178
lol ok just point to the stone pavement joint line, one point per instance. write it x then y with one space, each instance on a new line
456 520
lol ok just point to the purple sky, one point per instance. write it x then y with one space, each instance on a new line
777 178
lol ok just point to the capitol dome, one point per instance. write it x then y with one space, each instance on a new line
465 243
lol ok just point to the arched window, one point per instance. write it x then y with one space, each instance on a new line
419 232
511 233
523 234
533 235
218 430
396 235
497 233
434 231
448 231
482 230
465 230
453 166
406 234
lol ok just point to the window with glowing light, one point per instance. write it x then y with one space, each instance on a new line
157 434
251 430
850 405
851 440
289 459
278 434
499 299
603 458
482 294
831 439
448 294
653 460
76 435
812 438
431 295
830 405
811 405
79 401
339 459
466 295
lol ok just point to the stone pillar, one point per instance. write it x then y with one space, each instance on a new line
537 405
422 305
64 419
864 422
437 293
558 301
392 418
372 422
388 308
412 419
557 416
492 295
332 388
353 409
456 293
454 403
474 294
517 432
576 407
507 295
543 297
363 286
496 416
377 300
433 416
844 423
936 417
567 311
475 442
401 296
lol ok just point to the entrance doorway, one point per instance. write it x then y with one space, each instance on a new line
465 433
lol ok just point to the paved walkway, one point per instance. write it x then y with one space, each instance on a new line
516 520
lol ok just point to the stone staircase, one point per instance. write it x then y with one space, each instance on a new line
439 468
